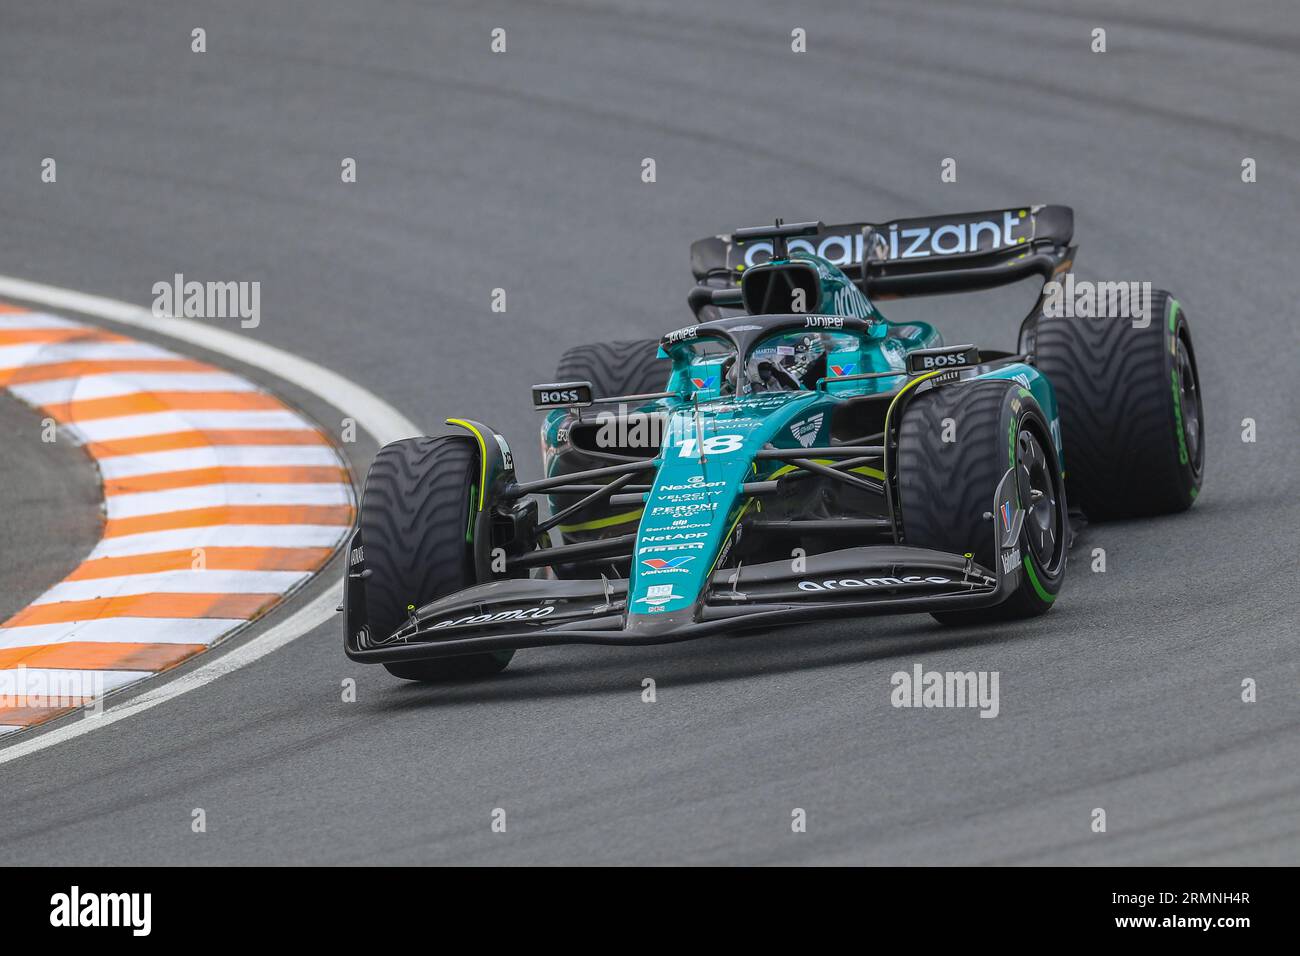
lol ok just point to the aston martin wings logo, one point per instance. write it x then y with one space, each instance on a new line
805 432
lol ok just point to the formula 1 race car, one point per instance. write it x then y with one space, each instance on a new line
793 456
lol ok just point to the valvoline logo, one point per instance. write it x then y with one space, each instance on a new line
703 383
659 564
1006 515
839 371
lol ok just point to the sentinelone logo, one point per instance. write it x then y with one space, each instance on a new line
74 909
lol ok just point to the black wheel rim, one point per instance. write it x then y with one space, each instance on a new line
1189 396
1038 497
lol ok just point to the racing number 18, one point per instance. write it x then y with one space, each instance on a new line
713 445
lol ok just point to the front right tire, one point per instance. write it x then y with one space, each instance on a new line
415 521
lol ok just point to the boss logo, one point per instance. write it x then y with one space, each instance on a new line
562 395
942 361
930 360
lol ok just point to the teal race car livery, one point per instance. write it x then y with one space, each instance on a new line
792 456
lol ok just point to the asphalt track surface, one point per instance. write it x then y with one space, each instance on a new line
522 171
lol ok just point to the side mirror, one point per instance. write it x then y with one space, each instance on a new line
562 395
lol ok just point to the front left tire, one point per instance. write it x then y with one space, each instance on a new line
946 487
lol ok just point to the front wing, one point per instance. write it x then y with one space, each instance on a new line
517 613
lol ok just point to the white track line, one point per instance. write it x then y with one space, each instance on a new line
216 496
146 630
369 411
173 582
212 456
111 385
299 623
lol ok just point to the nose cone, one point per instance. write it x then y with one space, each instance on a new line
657 626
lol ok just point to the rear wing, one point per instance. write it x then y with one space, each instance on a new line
934 254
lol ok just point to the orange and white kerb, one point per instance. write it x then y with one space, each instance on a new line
219 500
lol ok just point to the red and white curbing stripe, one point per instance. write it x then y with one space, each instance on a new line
219 500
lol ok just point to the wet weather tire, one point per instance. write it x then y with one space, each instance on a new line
946 487
415 512
616 368
612 368
1130 407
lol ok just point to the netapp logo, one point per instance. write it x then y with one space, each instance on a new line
74 909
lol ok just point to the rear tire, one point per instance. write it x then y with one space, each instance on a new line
616 368
415 512
1131 415
612 368
946 487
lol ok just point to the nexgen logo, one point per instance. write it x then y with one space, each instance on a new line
75 908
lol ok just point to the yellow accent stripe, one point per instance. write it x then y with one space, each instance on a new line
741 514
605 522
894 401
482 458
864 470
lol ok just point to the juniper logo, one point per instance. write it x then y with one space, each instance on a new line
74 908
209 300
922 688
